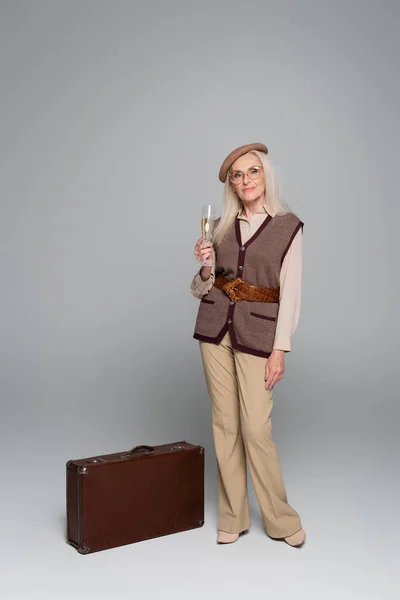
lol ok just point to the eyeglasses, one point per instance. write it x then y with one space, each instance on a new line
237 176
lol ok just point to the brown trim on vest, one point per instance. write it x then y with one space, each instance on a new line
211 340
237 346
207 301
262 316
242 252
255 235
300 224
235 343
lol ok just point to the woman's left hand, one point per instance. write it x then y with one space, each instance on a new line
274 368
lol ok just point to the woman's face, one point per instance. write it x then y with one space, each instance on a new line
248 189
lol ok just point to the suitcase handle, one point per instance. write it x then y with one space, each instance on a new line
135 448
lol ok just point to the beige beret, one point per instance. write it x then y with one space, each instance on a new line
234 155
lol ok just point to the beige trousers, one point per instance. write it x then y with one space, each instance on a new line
241 421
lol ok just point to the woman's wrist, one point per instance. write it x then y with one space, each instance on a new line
205 273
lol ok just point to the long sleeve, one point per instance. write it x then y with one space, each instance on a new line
290 294
198 287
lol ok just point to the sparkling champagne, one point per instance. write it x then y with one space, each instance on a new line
207 227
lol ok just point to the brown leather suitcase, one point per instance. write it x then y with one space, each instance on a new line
127 497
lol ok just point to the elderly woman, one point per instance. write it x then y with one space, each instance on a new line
250 303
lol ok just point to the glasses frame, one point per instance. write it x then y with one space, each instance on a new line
230 173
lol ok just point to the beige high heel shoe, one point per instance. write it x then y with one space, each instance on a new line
228 538
297 539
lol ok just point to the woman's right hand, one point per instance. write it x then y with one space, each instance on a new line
204 252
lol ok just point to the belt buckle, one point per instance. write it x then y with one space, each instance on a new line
230 288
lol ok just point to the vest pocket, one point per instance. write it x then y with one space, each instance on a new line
208 301
262 316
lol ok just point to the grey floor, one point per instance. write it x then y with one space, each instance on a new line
344 486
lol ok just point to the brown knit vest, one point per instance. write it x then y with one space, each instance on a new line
251 325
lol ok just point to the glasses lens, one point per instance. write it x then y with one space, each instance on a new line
236 177
254 172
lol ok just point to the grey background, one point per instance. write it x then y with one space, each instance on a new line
115 118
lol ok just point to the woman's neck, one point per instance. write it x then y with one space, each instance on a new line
250 208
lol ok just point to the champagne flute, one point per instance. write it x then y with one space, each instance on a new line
207 226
